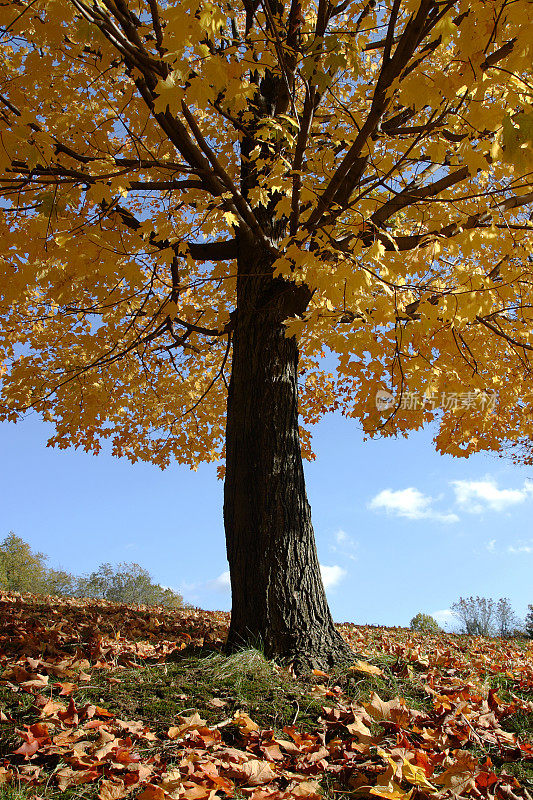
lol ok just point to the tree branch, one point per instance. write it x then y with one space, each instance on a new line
214 251
405 48
411 195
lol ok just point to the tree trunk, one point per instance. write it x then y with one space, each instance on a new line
278 600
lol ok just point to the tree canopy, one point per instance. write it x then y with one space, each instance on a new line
21 568
380 153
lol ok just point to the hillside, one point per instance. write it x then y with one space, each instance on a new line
113 701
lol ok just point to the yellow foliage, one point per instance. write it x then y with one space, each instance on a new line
391 174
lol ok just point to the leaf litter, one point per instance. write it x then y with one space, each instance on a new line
458 743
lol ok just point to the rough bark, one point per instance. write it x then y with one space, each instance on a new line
278 600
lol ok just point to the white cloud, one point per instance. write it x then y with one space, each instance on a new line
491 546
410 503
521 548
345 545
220 584
445 617
484 495
333 575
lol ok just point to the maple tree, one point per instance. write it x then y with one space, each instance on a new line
202 198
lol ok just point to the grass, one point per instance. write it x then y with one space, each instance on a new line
17 705
20 791
397 681
244 681
11 792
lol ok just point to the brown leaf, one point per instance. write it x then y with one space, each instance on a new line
358 728
52 707
66 688
36 683
309 789
74 777
112 789
383 710
289 747
272 752
171 780
191 723
196 791
216 702
6 775
257 772
460 776
152 792
70 716
27 749
244 722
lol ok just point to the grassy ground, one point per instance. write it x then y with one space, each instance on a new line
137 675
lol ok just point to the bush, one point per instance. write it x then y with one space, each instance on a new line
425 623
483 616
476 615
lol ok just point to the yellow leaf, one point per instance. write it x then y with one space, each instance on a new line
365 668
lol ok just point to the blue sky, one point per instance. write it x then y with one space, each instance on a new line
400 529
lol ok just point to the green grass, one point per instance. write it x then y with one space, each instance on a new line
397 681
19 791
244 681
522 771
13 792
18 705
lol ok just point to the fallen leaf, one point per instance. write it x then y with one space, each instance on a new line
191 723
244 722
74 777
27 749
257 772
152 792
216 702
363 667
112 789
6 775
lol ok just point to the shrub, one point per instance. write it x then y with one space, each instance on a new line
425 623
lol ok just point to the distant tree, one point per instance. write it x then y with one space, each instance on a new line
425 623
528 622
21 569
476 615
60 582
127 583
506 621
